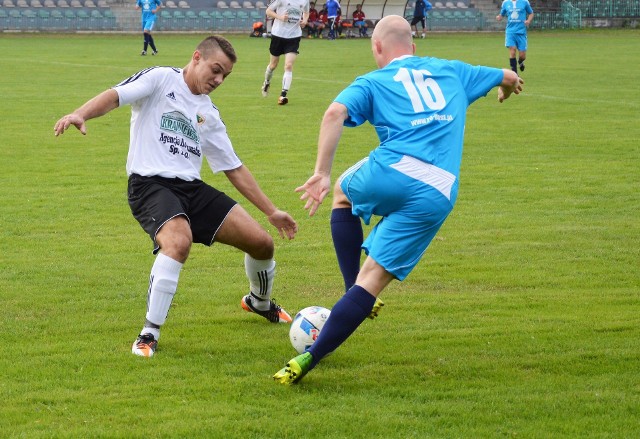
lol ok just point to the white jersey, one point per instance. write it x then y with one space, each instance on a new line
294 9
171 128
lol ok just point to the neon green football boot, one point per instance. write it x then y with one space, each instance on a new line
295 369
377 307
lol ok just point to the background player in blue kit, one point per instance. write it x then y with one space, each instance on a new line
332 7
519 16
149 11
418 108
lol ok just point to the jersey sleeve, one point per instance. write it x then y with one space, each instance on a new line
528 9
356 98
138 86
477 80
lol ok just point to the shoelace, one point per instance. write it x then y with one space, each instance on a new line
145 339
274 311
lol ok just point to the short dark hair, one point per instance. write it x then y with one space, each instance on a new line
216 42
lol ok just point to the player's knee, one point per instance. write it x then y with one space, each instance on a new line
339 198
262 247
177 247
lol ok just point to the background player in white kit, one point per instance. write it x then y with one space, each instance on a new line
173 124
289 18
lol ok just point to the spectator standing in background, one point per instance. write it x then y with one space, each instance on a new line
420 16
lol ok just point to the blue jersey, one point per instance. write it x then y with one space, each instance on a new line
516 12
421 8
147 6
418 107
332 8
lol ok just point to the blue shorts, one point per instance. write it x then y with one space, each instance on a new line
148 23
412 211
519 41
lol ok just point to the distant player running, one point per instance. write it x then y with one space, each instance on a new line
289 18
519 16
150 9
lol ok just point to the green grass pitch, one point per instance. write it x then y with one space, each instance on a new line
522 320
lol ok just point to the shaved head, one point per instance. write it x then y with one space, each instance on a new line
391 38
393 29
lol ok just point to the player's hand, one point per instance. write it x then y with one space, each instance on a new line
286 225
315 189
66 121
504 94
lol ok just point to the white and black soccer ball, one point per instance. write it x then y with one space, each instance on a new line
306 327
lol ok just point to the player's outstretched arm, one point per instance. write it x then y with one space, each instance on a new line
511 84
242 179
96 107
317 186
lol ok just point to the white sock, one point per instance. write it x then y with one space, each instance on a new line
153 331
163 283
260 274
286 80
268 74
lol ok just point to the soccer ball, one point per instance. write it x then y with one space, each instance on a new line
306 327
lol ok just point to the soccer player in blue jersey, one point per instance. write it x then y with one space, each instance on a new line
418 107
333 7
149 10
519 16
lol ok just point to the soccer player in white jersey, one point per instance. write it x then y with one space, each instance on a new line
173 125
289 18
519 16
418 107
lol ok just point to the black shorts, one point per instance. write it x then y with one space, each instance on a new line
156 200
418 19
282 46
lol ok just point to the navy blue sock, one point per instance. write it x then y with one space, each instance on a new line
346 315
346 231
146 41
514 65
152 43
